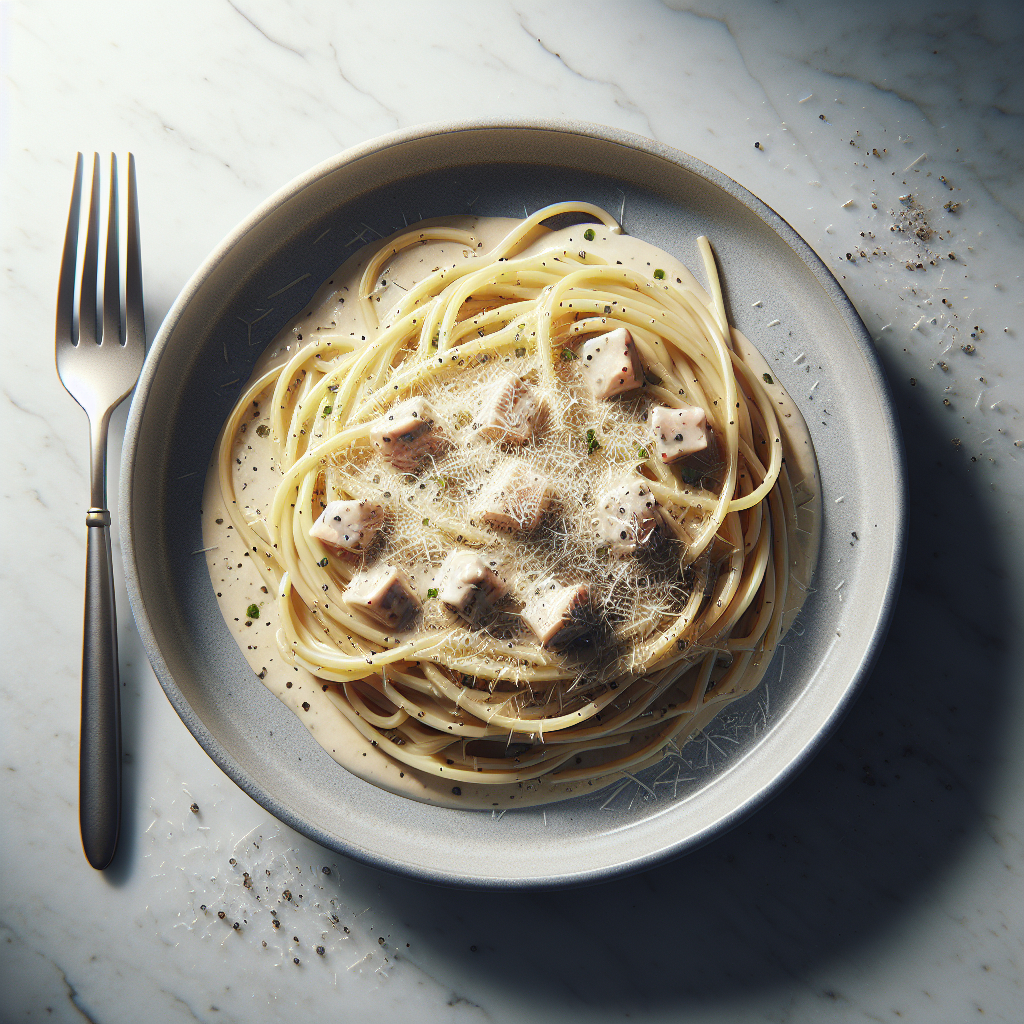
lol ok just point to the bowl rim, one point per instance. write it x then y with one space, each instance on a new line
890 429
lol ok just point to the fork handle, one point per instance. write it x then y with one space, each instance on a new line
100 755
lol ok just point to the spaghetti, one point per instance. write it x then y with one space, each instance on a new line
664 622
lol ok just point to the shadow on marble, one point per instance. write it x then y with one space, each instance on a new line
872 826
133 663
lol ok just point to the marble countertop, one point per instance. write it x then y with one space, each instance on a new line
885 882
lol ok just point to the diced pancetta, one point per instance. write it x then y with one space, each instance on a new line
348 525
385 594
516 499
627 516
409 433
679 432
509 412
611 363
558 614
468 585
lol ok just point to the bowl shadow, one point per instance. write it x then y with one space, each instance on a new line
837 860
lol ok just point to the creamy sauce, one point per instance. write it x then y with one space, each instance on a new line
335 308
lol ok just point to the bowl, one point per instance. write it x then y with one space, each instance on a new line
267 270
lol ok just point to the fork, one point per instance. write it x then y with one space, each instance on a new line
99 370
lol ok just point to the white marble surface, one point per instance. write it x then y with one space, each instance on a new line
885 883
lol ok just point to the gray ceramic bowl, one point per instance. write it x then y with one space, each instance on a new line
268 269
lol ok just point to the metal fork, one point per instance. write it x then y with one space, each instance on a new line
99 370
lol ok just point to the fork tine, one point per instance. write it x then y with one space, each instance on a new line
135 312
66 285
111 267
87 324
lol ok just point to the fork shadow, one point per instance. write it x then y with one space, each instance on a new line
134 671
838 859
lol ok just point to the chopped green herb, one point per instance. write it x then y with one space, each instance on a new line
432 592
323 562
767 378
659 275
589 234
592 442
568 355
642 452
252 611
426 522
691 476
441 482
327 410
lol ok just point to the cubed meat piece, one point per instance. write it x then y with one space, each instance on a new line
627 517
408 434
348 526
384 594
679 432
558 615
516 499
510 412
611 363
468 585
